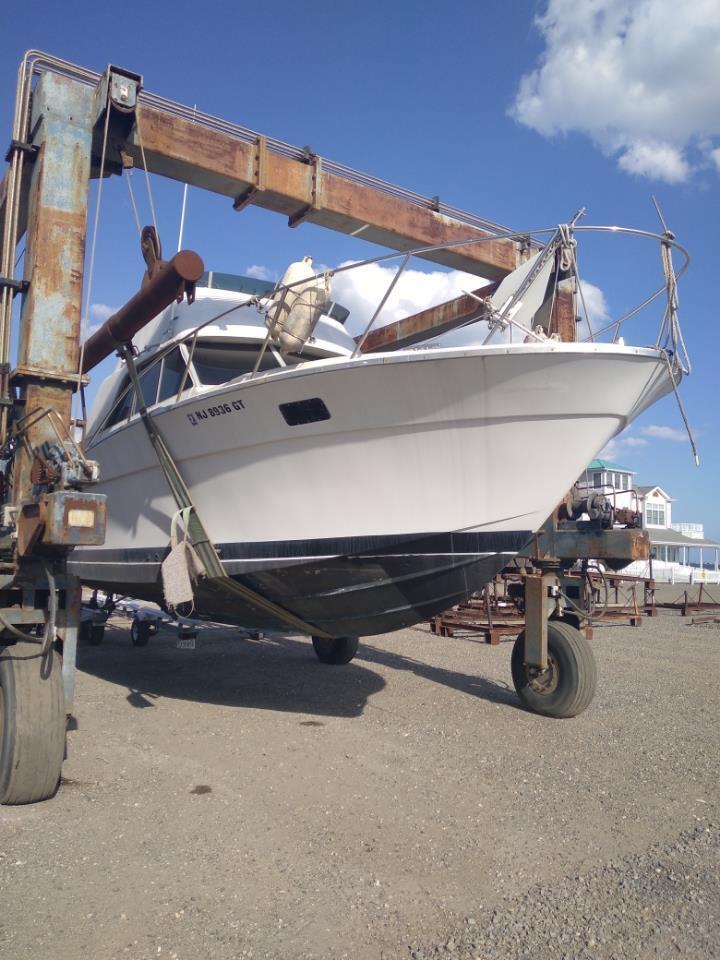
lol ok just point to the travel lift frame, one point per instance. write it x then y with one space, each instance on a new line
72 126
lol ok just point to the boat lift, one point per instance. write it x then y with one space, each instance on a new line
73 125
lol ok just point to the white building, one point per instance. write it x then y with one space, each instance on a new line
680 551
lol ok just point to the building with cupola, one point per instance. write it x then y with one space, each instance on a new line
681 553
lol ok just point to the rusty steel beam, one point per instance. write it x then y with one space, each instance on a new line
563 320
585 543
167 284
214 160
431 322
48 351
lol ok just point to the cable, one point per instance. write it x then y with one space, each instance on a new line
128 180
147 175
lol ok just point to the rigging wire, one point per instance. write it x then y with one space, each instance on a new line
93 246
133 204
147 175
681 407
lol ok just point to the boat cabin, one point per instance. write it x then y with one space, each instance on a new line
217 339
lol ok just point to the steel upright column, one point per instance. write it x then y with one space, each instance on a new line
57 222
48 355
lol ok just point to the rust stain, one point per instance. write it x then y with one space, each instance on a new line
217 161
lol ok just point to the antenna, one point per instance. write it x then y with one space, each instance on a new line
660 217
184 202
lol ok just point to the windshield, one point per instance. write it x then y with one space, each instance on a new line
219 362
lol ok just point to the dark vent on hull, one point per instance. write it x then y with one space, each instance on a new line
304 411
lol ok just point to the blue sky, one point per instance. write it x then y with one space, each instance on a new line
517 111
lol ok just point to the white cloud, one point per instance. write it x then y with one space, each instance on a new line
664 433
637 76
259 272
362 290
655 159
613 449
715 157
99 312
597 309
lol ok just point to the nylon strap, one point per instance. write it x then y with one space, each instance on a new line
199 538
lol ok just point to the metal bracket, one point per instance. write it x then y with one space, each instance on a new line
34 374
536 617
17 286
118 88
30 150
259 166
315 193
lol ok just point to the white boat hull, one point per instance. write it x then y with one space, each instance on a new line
431 469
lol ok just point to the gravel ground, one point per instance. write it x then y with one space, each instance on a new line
242 800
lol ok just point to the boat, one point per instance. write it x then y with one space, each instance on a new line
359 492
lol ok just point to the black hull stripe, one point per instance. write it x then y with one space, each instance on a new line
416 544
358 596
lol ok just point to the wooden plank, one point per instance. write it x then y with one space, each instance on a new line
433 321
215 160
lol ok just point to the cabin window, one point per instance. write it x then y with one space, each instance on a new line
122 408
597 479
217 363
173 368
149 380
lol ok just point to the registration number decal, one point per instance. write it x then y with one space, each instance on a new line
221 410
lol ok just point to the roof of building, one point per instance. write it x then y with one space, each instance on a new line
673 537
607 465
645 490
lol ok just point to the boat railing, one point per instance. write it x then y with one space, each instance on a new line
559 243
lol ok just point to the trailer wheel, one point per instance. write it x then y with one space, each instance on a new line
141 631
335 650
567 687
32 723
91 633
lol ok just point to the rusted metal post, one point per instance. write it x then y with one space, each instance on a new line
536 617
48 355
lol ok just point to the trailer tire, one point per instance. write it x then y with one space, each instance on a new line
32 723
567 687
140 632
91 633
335 650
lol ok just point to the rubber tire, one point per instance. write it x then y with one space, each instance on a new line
140 633
32 723
91 633
577 673
337 650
